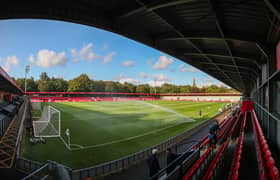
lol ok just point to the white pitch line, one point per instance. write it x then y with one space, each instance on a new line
126 139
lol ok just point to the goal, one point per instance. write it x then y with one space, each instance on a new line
49 123
36 105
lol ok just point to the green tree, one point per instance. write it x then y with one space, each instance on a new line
111 86
185 89
143 88
59 84
20 83
44 82
212 89
81 83
31 85
99 86
169 88
128 87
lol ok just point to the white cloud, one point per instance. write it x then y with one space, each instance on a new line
60 76
209 79
156 83
123 79
108 58
183 68
163 62
143 75
129 80
47 58
84 54
161 77
9 62
120 76
128 63
159 80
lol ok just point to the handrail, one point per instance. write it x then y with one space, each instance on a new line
215 161
35 172
224 128
265 110
194 168
222 132
172 163
205 137
218 156
20 131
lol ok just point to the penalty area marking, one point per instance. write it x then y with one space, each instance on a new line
122 140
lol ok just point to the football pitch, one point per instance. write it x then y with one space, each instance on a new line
104 131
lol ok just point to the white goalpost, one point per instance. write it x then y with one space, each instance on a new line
49 124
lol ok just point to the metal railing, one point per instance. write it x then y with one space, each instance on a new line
269 123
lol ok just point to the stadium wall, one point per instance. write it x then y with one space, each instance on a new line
105 96
202 98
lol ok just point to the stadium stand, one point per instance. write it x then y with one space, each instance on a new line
217 163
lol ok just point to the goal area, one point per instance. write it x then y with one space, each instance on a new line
49 124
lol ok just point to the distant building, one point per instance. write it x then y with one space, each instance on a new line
194 84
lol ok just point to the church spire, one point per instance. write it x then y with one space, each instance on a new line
194 84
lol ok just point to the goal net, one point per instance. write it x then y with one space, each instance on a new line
36 105
49 123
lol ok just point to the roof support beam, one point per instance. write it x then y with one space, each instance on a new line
155 6
233 66
222 33
243 75
211 36
224 56
272 8
247 74
180 34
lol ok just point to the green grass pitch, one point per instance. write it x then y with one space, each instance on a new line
110 130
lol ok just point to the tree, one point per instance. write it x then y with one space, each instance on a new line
212 89
44 76
31 85
81 83
59 84
169 88
20 82
143 88
128 87
185 89
43 83
111 86
99 86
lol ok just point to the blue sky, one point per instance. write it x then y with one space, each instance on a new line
66 50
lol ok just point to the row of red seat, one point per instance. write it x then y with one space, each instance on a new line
205 139
234 170
217 159
264 155
192 172
224 129
221 124
263 173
